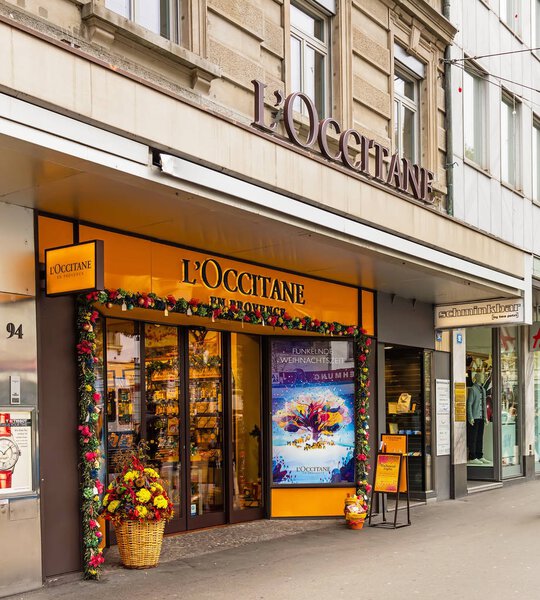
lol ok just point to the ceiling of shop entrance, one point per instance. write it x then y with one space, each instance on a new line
55 183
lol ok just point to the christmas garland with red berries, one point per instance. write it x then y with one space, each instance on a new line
90 405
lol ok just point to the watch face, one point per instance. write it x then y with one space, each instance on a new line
9 454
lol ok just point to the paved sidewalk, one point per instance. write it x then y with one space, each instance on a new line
486 546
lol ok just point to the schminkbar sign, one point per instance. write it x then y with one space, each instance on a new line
400 174
490 312
74 269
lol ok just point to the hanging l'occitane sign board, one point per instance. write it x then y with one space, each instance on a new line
74 269
140 265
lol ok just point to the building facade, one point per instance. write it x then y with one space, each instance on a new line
494 172
288 159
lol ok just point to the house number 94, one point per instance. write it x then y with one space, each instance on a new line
14 331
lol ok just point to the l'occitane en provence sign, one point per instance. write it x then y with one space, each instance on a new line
74 269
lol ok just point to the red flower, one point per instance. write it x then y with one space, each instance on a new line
272 320
96 396
362 358
362 457
94 316
350 330
332 327
258 314
193 302
287 317
362 411
113 294
99 486
368 487
316 323
96 560
368 342
93 524
85 431
90 456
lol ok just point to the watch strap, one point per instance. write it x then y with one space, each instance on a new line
5 429
5 479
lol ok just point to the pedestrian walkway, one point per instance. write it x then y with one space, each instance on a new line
486 546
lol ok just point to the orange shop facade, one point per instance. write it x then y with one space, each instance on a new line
245 395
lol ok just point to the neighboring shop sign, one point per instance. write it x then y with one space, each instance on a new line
489 312
460 402
400 174
312 412
534 337
15 451
442 393
74 269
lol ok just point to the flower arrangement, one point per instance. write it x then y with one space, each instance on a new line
355 511
136 494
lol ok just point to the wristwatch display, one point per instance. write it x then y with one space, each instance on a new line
9 452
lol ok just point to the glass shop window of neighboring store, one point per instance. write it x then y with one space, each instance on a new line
510 401
537 410
480 401
406 374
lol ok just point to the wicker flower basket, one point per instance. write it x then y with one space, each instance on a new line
139 543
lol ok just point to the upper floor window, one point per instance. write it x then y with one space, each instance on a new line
310 56
159 16
408 75
536 27
510 127
536 158
474 116
511 14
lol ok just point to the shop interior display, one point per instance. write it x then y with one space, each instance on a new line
404 407
206 422
163 405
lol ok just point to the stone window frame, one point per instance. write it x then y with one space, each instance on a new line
103 26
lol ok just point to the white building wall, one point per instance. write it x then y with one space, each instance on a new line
480 198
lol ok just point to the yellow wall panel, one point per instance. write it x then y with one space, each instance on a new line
309 502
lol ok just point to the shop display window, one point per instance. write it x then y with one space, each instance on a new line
404 391
537 410
510 422
162 419
312 412
480 401
123 389
206 422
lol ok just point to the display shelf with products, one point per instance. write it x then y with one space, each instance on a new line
404 407
206 425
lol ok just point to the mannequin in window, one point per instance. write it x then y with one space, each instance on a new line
476 419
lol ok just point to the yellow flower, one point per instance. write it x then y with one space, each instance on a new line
131 475
142 510
110 486
156 487
88 388
113 505
143 496
160 502
151 472
105 499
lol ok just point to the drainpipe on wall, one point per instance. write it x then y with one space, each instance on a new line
448 119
